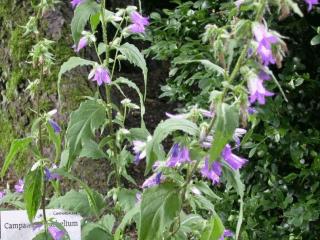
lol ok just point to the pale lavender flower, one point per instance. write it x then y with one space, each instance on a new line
265 41
207 142
212 171
100 75
75 3
139 150
178 155
234 161
83 42
257 90
138 23
56 233
19 186
311 3
51 176
238 3
238 133
206 113
177 116
226 233
55 126
153 180
2 194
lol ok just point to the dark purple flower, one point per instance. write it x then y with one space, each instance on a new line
56 233
257 90
212 171
19 186
234 161
138 23
51 176
83 42
265 41
75 3
55 126
178 155
2 194
226 233
100 75
153 180
311 3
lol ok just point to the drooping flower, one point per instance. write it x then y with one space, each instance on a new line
226 233
265 40
211 171
311 3
264 76
2 194
138 23
83 42
257 90
19 186
234 161
178 155
154 179
139 150
100 75
56 233
55 126
238 133
75 3
206 113
51 176
238 3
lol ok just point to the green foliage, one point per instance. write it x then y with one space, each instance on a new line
160 206
214 230
33 189
226 123
17 146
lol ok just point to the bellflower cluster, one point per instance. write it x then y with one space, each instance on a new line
234 161
56 233
100 75
178 156
19 186
265 40
212 172
311 3
138 23
75 3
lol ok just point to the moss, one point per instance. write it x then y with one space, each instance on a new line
6 132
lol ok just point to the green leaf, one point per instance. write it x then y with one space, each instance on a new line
107 223
132 85
33 188
295 7
315 40
81 16
127 199
154 147
226 123
125 220
92 150
72 63
42 236
214 229
134 56
56 139
207 64
160 206
14 199
92 231
83 123
17 146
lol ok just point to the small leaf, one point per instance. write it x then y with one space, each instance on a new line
92 231
125 221
33 188
107 222
315 40
160 206
17 146
214 229
226 123
92 150
81 16
134 56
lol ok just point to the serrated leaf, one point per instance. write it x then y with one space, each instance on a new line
33 188
83 123
134 56
214 229
17 146
159 207
132 85
81 16
72 63
226 123
207 64
154 148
